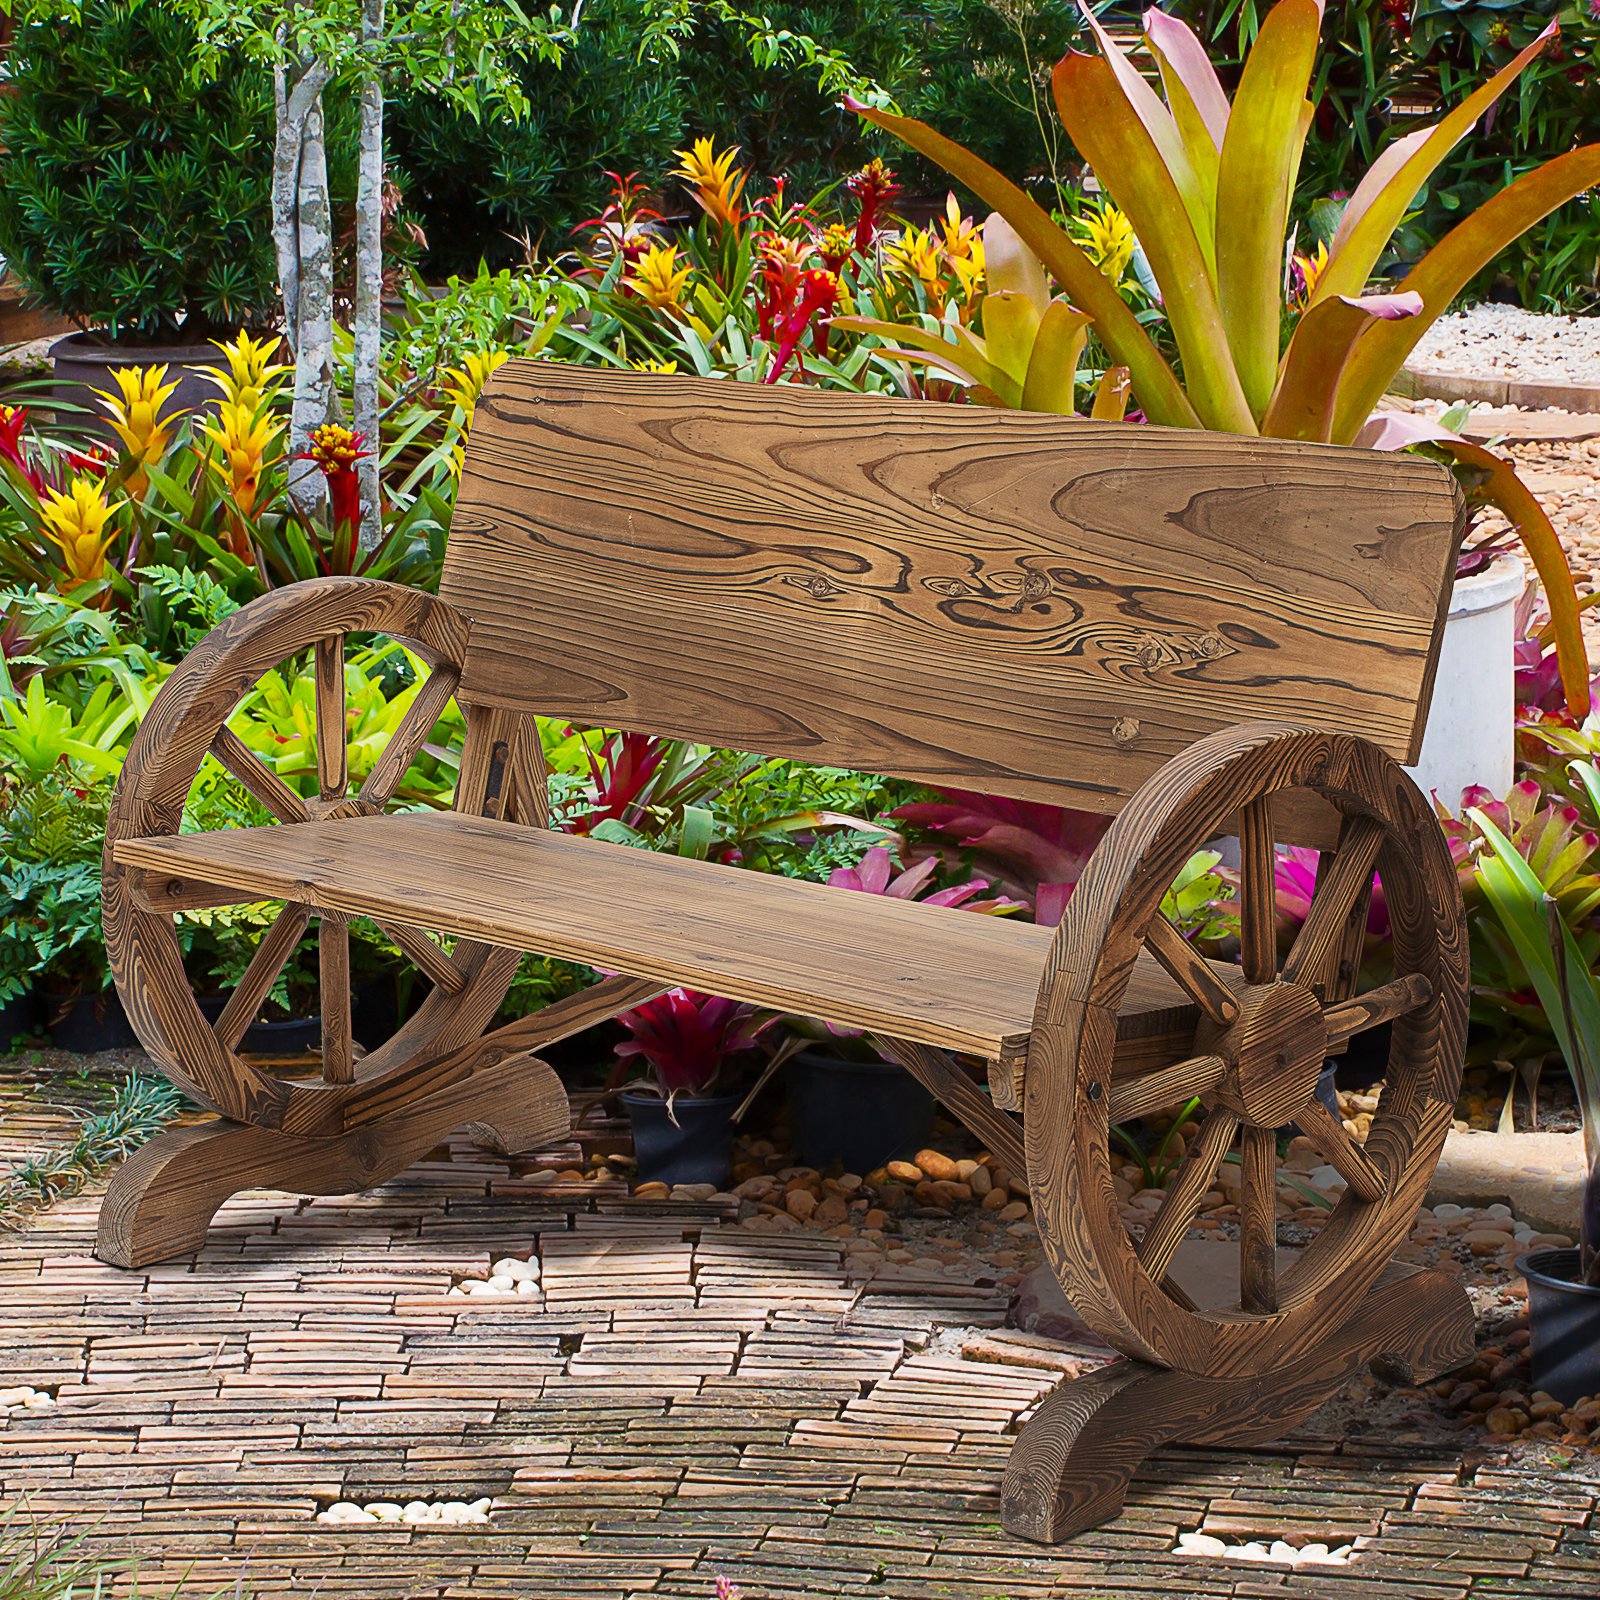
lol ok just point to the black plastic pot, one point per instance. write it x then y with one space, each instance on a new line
858 1113
19 1018
85 1023
1564 1321
698 1149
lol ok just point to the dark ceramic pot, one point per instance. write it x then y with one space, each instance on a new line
83 364
858 1113
693 1145
85 1023
374 1017
1564 1322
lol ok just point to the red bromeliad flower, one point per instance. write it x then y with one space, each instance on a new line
874 186
13 419
686 1038
815 296
335 450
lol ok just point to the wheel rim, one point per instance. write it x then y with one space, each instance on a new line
190 722
1256 1052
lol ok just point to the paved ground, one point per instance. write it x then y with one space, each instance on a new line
681 1400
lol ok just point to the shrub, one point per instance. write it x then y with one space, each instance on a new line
479 186
136 200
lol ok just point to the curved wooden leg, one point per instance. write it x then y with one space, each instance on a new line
162 1199
1072 1463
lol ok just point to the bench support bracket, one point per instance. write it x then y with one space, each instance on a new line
1071 1465
163 1197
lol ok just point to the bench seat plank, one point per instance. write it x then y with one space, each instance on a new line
937 975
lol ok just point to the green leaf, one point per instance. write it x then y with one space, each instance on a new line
1160 393
1442 273
1255 183
1383 196
1116 145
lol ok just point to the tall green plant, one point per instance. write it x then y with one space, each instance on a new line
1562 977
1266 345
135 200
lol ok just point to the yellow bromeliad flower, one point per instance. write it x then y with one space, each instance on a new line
75 522
1107 238
1304 271
244 437
657 278
962 236
253 378
716 182
654 366
465 383
135 414
915 254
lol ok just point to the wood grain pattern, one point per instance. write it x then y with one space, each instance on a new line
771 940
163 1196
1072 1464
1000 601
1271 1052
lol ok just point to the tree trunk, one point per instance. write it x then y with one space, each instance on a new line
369 282
313 353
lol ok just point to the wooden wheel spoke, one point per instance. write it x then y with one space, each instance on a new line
1376 1006
432 961
1184 1194
1334 1144
1341 893
1138 1097
256 776
1191 971
1258 1220
244 1004
338 1054
412 731
332 755
1258 914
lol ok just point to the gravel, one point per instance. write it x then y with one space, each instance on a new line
1508 342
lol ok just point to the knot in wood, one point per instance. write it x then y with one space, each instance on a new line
1274 1050
1124 730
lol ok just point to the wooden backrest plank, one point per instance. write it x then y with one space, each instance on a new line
1017 603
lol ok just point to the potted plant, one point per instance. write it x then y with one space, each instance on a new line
693 1044
1564 1284
137 199
1276 337
846 1103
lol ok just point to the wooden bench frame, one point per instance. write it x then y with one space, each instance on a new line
1203 635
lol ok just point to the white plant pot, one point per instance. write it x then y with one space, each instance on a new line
1471 731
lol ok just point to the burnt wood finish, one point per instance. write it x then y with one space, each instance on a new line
1083 613
163 1197
1270 1054
1024 604
1071 1466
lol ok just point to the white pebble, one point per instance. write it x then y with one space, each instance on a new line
386 1510
517 1271
1448 1209
527 1286
345 1511
1201 1544
1282 1550
37 1402
1498 1209
503 1283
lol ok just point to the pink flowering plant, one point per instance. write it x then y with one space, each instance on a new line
690 1042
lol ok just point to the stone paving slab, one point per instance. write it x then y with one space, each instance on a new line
680 1400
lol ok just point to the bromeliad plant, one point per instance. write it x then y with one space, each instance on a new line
1207 185
689 1040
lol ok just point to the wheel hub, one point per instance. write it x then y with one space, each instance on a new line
1274 1051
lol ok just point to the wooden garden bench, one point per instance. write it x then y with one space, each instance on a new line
1202 634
